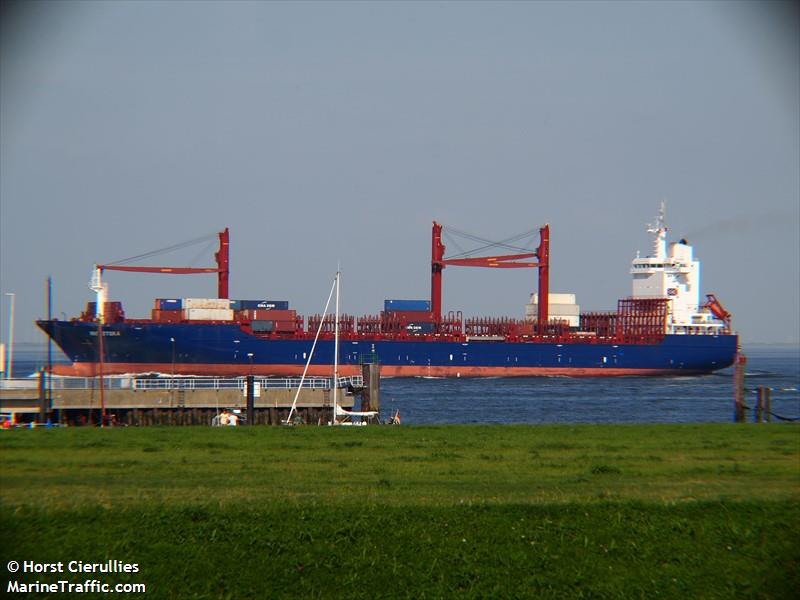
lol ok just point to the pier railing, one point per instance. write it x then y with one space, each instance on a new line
220 383
180 383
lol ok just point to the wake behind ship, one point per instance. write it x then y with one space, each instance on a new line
661 329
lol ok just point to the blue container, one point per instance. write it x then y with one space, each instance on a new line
263 304
410 305
417 327
262 326
170 303
235 304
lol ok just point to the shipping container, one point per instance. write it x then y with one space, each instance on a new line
268 315
208 314
235 305
415 305
167 316
273 326
206 303
169 304
556 310
555 298
263 304
262 326
407 316
285 326
420 328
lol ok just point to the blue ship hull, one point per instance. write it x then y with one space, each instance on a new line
225 349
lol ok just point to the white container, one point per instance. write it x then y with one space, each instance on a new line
215 303
564 310
555 310
208 314
553 298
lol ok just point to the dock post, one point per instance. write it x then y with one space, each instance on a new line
738 387
251 413
371 396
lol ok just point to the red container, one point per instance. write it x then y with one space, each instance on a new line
268 315
284 326
409 316
167 316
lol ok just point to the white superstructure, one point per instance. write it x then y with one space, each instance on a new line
673 273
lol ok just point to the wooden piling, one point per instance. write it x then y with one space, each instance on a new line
757 413
371 396
738 387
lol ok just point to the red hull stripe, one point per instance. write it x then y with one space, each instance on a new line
228 370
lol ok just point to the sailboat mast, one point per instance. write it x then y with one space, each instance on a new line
336 349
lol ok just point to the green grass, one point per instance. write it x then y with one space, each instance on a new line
487 511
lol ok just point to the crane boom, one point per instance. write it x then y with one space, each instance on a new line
167 270
222 269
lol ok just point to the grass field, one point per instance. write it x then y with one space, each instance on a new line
686 511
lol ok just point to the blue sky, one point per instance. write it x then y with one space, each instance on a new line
337 131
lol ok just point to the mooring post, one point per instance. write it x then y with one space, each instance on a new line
371 396
768 404
251 412
757 413
738 387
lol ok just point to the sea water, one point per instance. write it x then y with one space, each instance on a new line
681 399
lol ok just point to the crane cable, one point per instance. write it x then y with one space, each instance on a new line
487 244
172 248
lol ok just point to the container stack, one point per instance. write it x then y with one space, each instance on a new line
266 315
412 316
259 304
168 310
207 309
269 321
561 307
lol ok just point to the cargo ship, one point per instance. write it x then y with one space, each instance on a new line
662 328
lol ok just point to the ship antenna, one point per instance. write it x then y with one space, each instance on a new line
659 231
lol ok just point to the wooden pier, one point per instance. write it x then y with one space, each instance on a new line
183 400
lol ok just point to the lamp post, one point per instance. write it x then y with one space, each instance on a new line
172 341
172 378
10 357
250 393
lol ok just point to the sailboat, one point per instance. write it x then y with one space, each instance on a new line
339 415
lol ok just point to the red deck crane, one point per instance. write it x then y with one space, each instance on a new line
222 269
507 261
